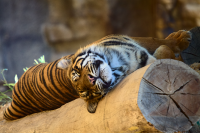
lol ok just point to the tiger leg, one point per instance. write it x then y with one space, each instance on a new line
176 42
91 106
168 51
182 40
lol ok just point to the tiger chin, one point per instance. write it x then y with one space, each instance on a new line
95 69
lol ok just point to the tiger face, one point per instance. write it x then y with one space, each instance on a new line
97 68
90 76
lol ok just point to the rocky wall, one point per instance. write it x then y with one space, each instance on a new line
31 28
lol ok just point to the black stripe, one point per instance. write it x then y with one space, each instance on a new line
22 107
83 61
18 110
144 58
128 54
136 55
114 37
117 43
47 71
101 56
49 99
36 67
116 75
27 104
126 38
38 96
49 89
77 62
78 56
40 73
30 91
67 96
51 76
12 114
7 116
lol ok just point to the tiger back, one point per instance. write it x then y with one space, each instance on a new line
41 87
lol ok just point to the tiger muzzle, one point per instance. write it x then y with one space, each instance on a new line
92 79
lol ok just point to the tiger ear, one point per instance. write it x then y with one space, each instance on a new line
64 63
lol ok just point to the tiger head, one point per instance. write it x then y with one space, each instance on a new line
90 75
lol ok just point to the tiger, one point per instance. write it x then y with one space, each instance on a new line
97 68
89 74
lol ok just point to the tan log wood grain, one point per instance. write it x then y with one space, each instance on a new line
169 89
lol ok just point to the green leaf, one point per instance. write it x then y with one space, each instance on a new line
4 80
16 78
12 84
36 61
41 59
25 69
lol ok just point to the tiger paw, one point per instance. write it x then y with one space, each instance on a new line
91 106
181 41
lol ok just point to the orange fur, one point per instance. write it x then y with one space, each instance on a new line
41 87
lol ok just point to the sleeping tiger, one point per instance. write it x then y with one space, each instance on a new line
89 74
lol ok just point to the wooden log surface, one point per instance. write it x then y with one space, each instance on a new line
116 112
192 53
169 95
169 89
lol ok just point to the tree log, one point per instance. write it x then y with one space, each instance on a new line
118 111
192 54
169 96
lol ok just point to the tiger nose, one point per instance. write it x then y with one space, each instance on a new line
92 79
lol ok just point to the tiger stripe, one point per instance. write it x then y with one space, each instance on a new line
41 87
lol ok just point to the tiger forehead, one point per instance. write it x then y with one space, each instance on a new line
120 38
80 57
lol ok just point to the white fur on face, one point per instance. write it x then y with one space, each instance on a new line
105 72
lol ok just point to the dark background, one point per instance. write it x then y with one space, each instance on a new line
54 28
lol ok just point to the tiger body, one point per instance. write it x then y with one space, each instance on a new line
41 87
89 74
